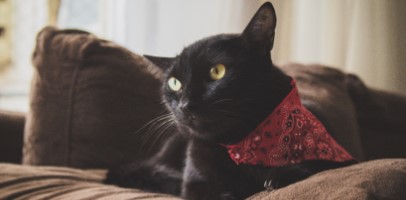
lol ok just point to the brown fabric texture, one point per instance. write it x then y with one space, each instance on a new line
11 136
382 120
378 179
325 92
88 99
28 182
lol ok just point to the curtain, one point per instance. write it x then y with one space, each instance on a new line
53 10
365 37
162 27
28 17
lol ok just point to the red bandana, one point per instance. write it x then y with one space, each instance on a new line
291 134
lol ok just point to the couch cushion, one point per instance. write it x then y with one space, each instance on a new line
88 99
28 182
379 179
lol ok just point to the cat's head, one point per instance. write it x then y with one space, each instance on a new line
221 87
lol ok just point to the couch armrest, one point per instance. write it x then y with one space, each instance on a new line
11 136
381 117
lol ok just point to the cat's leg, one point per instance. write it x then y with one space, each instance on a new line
282 176
162 173
210 174
206 190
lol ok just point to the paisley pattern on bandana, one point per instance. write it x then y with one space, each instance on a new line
290 135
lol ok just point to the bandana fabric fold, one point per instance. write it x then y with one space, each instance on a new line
290 135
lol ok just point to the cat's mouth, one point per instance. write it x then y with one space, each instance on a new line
195 123
209 125
207 128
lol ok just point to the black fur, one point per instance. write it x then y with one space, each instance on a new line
209 113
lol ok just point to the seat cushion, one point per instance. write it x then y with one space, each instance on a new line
379 179
29 182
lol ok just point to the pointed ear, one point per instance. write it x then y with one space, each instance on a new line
162 62
260 32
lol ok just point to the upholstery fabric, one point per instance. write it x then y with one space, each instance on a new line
88 99
379 179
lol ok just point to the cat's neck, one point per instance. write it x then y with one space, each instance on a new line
278 87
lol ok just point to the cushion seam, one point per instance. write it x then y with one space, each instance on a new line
70 116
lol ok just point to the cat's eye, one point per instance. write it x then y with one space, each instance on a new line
217 72
174 84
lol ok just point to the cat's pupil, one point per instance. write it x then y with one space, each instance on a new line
174 84
217 72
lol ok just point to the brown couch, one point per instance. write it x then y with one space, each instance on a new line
90 96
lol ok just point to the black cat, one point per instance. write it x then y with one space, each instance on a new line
218 91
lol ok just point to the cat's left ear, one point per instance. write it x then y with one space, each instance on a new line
162 62
260 32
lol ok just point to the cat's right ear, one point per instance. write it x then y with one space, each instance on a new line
162 62
260 31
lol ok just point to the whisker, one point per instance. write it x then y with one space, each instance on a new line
222 100
162 133
157 133
153 131
153 121
157 124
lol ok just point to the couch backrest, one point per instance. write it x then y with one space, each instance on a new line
90 97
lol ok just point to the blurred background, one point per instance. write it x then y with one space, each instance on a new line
365 37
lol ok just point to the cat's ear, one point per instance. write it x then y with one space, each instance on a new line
260 31
162 62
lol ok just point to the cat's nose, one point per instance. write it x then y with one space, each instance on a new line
188 111
187 106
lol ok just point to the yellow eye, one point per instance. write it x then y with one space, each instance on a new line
217 72
174 84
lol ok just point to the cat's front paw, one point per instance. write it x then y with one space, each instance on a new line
269 185
144 177
131 176
283 179
207 191
211 196
227 196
